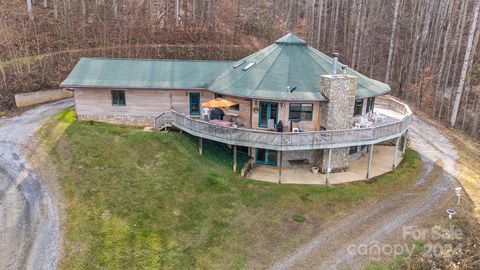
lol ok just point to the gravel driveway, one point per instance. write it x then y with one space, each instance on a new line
382 222
29 226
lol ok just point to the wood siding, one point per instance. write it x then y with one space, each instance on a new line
153 102
245 109
139 102
283 114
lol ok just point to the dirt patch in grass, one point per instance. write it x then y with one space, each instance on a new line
147 200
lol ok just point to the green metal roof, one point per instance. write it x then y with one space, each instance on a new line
287 63
268 73
138 73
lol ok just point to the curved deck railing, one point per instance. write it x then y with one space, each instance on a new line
294 141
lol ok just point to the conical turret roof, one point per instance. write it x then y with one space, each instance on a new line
287 64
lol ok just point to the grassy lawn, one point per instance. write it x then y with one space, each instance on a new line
147 201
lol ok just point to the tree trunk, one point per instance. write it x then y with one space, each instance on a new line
454 54
416 38
194 10
334 39
471 34
474 131
30 9
84 9
55 9
467 81
115 8
439 94
358 17
319 24
177 12
392 40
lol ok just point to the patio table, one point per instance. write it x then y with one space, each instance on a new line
221 123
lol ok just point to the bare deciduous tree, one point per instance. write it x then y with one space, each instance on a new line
468 52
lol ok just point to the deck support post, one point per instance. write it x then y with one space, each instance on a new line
200 146
329 166
395 153
234 158
405 139
370 155
280 168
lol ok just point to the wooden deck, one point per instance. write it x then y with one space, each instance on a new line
288 141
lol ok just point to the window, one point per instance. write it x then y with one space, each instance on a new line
234 107
118 98
299 111
370 104
358 107
353 150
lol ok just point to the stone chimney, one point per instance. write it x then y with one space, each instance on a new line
336 113
340 91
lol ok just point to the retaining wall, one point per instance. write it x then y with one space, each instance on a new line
33 98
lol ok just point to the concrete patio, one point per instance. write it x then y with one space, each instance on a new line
382 162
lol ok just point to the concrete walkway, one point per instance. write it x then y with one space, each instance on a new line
381 163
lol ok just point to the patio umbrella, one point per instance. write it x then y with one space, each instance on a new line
218 103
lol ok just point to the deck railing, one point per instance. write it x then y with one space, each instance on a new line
293 141
163 120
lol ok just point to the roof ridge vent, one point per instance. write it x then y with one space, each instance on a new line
239 63
248 66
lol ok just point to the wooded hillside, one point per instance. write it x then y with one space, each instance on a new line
425 49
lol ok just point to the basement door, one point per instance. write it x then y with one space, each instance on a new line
267 157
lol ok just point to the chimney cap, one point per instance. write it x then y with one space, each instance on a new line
335 55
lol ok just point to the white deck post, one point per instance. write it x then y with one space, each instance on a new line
329 166
405 139
395 153
200 146
280 168
234 158
370 154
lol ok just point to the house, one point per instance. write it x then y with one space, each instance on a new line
327 109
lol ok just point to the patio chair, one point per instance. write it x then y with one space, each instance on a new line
271 124
364 122
302 126
381 118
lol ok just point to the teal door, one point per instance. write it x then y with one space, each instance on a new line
267 157
194 103
267 110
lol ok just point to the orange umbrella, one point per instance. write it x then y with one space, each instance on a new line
218 103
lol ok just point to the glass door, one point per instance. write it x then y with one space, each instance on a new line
267 157
194 103
267 110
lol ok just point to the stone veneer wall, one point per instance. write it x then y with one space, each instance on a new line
308 155
338 114
140 121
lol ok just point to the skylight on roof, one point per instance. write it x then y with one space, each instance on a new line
239 63
248 66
